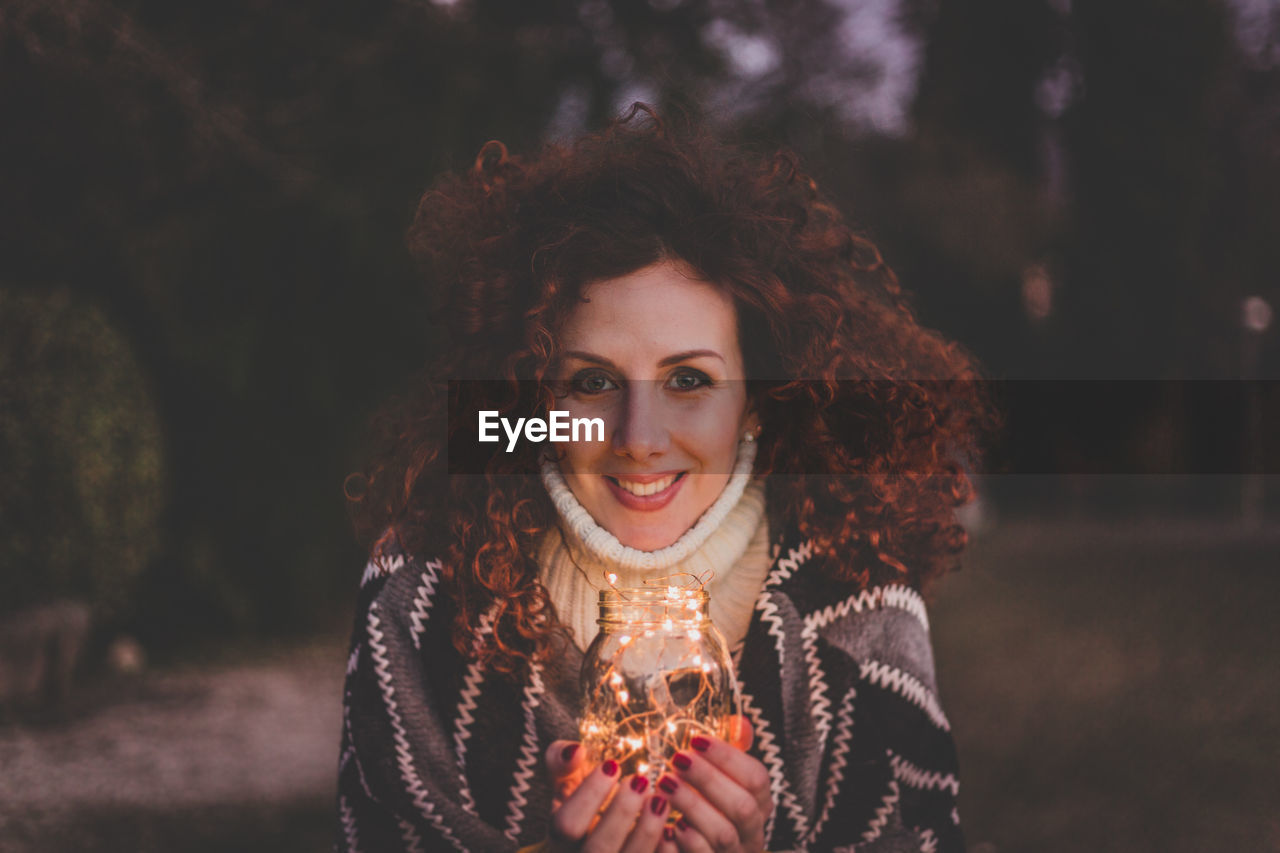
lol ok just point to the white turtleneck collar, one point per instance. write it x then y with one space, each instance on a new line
730 541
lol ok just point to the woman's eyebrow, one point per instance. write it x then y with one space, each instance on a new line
685 356
591 357
675 358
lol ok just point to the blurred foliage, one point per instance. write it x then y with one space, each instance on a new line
81 451
230 183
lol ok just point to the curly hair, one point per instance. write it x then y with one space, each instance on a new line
869 421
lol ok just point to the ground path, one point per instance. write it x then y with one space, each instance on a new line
221 756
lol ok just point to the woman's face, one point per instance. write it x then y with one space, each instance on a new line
655 354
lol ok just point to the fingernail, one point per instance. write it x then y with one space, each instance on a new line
658 805
700 743
681 761
682 824
610 767
668 833
639 784
668 784
567 754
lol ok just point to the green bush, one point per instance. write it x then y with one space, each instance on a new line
81 457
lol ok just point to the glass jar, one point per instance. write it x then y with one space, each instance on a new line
657 674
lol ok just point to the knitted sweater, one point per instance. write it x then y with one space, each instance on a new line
838 682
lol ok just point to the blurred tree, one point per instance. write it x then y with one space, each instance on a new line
82 455
1153 211
984 65
970 210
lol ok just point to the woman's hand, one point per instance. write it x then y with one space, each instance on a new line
723 793
632 821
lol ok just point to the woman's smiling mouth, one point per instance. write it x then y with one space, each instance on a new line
647 493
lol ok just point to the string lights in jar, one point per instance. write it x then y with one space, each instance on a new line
658 673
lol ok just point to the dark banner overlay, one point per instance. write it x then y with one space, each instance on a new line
1053 427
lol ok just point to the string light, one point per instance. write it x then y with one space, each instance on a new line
657 673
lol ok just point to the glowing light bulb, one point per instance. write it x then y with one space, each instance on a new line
695 634
613 578
624 696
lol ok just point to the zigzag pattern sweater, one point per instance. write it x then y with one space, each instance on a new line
838 681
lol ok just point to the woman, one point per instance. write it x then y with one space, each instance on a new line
774 419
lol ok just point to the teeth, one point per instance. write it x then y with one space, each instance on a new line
645 489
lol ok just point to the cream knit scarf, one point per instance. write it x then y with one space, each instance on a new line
730 539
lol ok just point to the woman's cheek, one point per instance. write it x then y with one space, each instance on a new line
713 441
583 457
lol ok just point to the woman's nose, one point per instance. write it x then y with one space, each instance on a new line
641 431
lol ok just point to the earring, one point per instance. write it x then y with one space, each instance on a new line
749 436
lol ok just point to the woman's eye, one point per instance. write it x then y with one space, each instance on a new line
593 382
689 380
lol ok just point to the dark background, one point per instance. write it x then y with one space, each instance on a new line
204 294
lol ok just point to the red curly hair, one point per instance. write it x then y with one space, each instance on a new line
847 385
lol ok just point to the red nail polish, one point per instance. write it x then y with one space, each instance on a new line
639 784
658 805
682 824
668 833
668 784
567 754
610 767
681 761
700 743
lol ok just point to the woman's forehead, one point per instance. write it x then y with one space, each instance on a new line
660 307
